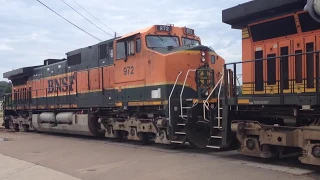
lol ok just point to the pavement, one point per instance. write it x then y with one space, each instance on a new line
12 169
52 156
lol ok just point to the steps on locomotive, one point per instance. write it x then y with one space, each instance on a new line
203 132
180 123
216 136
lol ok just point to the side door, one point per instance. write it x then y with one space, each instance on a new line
259 70
310 70
299 65
272 68
286 62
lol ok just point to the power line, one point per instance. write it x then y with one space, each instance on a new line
95 17
69 21
86 18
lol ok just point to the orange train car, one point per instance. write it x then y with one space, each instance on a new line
138 87
277 113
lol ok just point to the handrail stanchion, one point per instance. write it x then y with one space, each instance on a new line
174 86
184 84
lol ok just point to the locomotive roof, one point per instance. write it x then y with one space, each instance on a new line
25 71
136 32
243 14
76 51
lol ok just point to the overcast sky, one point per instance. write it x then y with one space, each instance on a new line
30 33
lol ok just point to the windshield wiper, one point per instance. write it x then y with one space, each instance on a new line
174 40
160 38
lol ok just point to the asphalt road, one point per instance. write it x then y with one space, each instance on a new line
87 158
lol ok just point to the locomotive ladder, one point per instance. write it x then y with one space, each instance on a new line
183 109
218 118
169 104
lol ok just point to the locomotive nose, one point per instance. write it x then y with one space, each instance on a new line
204 80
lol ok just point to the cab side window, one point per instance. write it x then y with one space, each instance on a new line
130 48
125 48
121 51
138 45
213 59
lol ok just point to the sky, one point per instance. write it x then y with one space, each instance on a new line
30 33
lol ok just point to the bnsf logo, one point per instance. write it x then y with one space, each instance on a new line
60 84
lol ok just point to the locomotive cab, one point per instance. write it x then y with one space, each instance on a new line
154 56
168 65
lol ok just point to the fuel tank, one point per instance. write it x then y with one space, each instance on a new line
47 117
67 123
64 118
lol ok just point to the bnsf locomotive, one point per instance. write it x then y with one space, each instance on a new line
139 87
278 113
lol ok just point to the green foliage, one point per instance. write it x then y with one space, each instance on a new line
5 87
239 90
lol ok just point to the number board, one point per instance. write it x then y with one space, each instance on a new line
164 28
189 31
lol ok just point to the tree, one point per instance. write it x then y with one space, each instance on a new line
5 87
8 89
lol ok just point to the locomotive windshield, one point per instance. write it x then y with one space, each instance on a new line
156 41
192 42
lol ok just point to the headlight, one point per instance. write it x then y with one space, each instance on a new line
313 7
205 92
203 59
316 6
203 53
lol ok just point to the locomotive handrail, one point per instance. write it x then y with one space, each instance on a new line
24 102
174 86
184 84
205 102
219 82
280 79
276 57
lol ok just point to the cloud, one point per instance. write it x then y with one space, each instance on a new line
4 47
31 33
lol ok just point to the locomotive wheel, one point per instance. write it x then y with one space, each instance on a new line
145 138
120 136
26 128
16 127
6 124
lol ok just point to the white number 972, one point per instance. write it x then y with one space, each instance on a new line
164 28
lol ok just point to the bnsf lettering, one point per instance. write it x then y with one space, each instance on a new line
60 85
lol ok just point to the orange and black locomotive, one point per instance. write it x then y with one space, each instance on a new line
137 87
